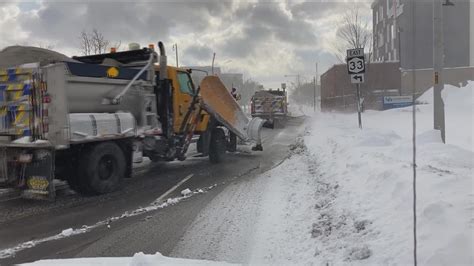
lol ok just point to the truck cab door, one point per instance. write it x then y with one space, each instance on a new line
183 96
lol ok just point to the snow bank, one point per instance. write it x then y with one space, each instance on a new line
139 259
345 195
295 109
367 217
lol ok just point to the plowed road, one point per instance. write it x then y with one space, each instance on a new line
148 229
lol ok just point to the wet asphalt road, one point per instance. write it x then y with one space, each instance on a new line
159 230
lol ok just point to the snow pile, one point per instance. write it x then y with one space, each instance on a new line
19 55
365 211
67 232
300 110
345 195
139 259
186 192
283 229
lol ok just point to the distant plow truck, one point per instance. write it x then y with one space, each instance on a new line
271 106
86 120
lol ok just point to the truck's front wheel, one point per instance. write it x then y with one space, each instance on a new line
102 169
218 146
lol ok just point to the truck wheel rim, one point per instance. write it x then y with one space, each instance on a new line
107 164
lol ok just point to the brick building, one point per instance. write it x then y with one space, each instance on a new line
339 94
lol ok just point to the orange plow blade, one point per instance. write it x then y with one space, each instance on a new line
217 101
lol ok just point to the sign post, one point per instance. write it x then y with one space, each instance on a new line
358 106
356 70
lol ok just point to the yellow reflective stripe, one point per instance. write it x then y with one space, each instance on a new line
22 118
15 87
15 71
17 95
23 107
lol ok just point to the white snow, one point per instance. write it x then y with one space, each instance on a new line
139 259
186 192
345 196
67 232
299 110
22 140
156 205
27 140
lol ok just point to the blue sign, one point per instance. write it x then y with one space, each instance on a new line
390 102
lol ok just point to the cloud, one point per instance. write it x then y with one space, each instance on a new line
199 52
10 31
259 38
264 22
315 9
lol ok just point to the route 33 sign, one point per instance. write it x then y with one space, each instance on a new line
355 61
356 65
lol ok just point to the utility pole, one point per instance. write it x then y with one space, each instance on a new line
175 46
212 65
438 64
315 86
399 31
314 95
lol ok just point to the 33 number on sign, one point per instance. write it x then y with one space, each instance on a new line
356 65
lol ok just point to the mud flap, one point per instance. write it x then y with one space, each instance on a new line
39 176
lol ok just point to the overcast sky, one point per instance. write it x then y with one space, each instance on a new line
265 40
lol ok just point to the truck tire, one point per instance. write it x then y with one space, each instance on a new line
199 145
232 145
218 146
101 169
202 145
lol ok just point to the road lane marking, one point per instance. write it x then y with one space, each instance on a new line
174 188
153 206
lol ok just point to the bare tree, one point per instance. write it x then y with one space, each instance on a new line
86 43
100 44
354 31
95 42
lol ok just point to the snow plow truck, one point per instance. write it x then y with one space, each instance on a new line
270 105
87 120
